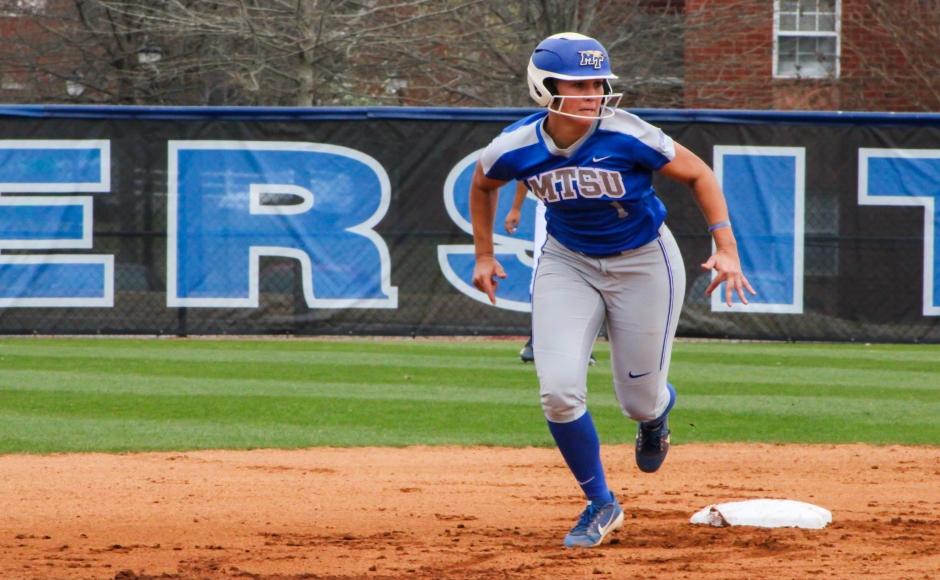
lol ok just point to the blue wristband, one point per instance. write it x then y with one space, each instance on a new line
719 225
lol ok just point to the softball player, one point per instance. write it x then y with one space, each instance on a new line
608 255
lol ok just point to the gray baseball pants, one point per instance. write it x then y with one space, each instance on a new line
639 291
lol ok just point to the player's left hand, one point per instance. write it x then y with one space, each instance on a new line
727 265
512 221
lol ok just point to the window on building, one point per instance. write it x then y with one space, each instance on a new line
806 38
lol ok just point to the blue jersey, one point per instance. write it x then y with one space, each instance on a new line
598 192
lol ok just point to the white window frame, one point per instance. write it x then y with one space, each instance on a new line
807 34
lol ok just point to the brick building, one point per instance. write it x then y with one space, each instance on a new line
870 55
864 55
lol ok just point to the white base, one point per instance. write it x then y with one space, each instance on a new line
764 513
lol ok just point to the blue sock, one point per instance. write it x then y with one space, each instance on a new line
581 448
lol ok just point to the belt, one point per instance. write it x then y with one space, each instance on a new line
602 256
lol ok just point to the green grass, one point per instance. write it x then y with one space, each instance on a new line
130 394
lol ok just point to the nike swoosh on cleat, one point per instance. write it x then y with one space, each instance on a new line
599 159
603 530
633 376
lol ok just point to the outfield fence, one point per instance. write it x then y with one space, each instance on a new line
355 221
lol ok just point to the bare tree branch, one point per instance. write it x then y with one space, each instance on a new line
437 52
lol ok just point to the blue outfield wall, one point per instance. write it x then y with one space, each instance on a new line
356 221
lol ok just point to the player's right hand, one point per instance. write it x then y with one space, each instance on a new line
485 273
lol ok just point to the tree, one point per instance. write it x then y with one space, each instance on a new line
328 52
476 53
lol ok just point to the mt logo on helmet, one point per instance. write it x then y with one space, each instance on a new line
592 58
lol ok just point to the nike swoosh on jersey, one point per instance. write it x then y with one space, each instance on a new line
599 159
633 376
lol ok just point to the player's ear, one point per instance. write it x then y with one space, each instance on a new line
552 87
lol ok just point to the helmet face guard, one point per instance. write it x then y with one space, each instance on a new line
570 56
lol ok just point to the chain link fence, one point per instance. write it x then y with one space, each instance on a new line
866 269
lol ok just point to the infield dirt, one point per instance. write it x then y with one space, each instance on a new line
448 512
